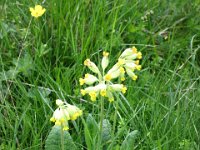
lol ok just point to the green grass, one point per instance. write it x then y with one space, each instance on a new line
41 60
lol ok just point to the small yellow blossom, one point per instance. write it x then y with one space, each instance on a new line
81 81
131 74
121 62
122 70
83 92
138 67
124 89
105 54
137 62
139 55
111 99
37 11
93 96
134 49
108 77
65 128
122 78
103 92
87 62
134 77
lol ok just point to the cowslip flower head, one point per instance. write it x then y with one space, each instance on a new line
37 11
65 112
103 85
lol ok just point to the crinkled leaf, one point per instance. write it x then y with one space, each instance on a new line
53 141
91 131
24 64
106 131
129 142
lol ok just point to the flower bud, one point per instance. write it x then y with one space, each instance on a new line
131 74
91 66
59 102
116 87
90 79
126 52
105 60
130 65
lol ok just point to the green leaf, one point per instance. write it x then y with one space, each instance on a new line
24 64
106 132
128 143
91 131
54 140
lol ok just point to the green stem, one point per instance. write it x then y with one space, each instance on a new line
62 139
115 118
101 122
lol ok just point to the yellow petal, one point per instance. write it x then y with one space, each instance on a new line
31 9
38 8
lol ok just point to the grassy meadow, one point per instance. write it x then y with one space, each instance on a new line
41 60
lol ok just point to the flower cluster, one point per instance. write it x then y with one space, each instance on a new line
128 62
37 11
65 112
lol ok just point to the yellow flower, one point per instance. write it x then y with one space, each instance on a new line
108 77
110 96
122 78
121 62
65 128
83 92
64 113
103 92
81 81
93 96
134 77
37 11
138 67
122 70
137 62
124 89
74 112
131 74
139 55
87 62
134 49
105 54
